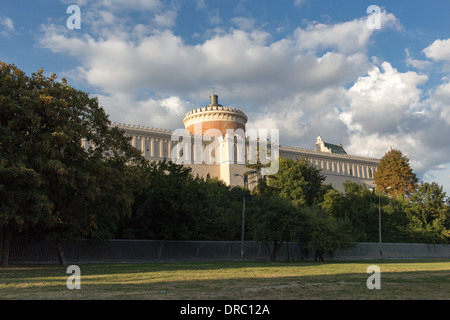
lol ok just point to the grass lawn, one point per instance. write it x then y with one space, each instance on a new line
231 280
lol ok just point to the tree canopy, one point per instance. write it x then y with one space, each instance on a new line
394 175
298 181
50 184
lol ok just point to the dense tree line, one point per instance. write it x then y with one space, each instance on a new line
292 206
51 187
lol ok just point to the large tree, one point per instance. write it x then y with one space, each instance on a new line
73 190
169 207
428 213
274 220
298 181
325 233
394 175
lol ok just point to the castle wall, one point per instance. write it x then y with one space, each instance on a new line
157 144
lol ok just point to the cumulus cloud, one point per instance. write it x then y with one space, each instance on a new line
350 36
166 113
384 98
439 101
388 109
241 61
439 51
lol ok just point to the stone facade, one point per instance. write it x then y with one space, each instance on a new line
230 159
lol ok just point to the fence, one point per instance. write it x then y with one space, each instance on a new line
89 251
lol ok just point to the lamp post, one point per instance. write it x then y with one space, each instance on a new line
379 225
379 222
245 179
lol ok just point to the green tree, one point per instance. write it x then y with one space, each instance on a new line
325 233
394 174
298 181
168 207
222 219
428 212
394 220
274 220
358 205
175 205
74 189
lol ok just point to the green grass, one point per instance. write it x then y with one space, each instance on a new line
400 279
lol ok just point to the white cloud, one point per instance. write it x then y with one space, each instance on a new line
384 98
348 37
417 64
244 23
299 3
241 61
6 27
166 18
118 5
388 109
439 50
166 113
439 101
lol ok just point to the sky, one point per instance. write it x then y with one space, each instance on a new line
371 81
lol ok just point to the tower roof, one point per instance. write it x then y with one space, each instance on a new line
215 118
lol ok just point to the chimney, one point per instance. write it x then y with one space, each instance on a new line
214 100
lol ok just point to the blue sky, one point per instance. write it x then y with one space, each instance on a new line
301 66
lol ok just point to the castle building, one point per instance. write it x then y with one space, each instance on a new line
216 144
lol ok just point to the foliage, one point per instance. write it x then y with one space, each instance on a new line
423 217
177 206
298 181
274 221
72 189
166 208
394 174
356 204
428 212
325 233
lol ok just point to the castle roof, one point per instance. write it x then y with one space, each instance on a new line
335 148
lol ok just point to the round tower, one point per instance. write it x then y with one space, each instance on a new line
214 116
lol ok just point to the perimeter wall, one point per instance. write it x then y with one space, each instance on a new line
90 251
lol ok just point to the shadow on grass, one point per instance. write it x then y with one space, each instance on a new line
422 285
39 270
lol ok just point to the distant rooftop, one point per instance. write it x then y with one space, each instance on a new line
329 147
